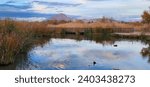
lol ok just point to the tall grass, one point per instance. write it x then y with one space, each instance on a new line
16 37
116 26
10 46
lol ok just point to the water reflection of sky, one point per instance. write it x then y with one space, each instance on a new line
43 9
72 54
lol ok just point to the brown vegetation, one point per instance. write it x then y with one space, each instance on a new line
114 25
146 17
17 37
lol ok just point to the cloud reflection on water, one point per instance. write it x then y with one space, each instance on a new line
72 54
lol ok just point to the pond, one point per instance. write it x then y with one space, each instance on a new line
84 54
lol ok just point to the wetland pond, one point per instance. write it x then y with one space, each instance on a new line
84 54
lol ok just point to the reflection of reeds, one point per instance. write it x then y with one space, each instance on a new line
17 37
145 52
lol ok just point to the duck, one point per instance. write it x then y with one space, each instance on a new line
115 45
94 62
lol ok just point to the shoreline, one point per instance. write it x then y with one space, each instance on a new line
133 34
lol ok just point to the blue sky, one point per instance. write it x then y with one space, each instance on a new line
127 10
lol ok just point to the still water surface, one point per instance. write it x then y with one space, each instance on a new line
85 54
72 54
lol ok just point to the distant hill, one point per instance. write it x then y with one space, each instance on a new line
60 17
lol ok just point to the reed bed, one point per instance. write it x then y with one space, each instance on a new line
17 37
116 26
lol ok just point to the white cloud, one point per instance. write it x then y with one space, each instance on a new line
31 19
81 1
39 8
83 8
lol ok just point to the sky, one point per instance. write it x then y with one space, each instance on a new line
124 10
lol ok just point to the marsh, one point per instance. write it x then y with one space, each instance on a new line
82 53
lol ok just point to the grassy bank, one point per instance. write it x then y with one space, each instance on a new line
96 26
17 37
